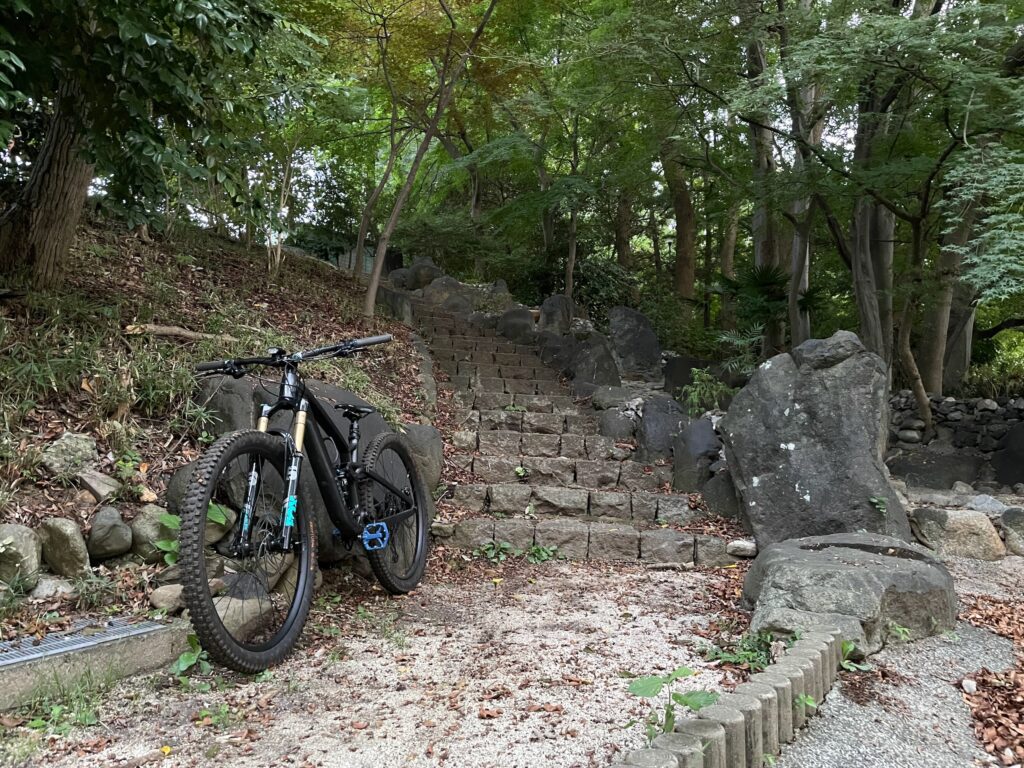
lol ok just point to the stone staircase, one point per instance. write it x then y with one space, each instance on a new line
543 474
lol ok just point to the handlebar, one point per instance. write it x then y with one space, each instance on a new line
278 357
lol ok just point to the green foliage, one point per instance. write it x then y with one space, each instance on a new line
662 717
901 633
806 701
195 659
538 553
849 652
494 552
753 651
171 547
704 392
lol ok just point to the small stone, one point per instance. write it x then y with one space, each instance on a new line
69 453
909 436
167 598
147 529
1013 529
961 487
987 504
101 486
64 547
986 404
110 536
20 555
742 548
50 587
959 532
442 530
969 686
1018 489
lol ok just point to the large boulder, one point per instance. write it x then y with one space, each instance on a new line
694 450
1008 461
422 273
805 440
64 547
428 451
69 453
21 554
233 404
635 343
446 289
661 421
720 496
1013 529
556 314
865 584
958 532
556 351
399 278
678 372
109 536
593 364
517 324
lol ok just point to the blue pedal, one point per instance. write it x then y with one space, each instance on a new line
376 536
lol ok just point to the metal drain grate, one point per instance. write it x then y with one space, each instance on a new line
85 636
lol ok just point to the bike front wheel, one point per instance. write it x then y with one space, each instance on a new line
247 593
397 497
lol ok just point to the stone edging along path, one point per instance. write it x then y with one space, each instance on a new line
747 728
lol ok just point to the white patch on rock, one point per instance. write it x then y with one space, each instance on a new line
787 446
755 481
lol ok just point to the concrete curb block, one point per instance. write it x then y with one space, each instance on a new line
752 723
104 659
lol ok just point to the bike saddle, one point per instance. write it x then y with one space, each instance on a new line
353 412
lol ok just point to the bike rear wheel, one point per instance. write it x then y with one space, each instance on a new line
248 606
399 566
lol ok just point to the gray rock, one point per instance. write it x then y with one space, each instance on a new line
609 397
987 504
666 545
693 451
661 423
428 451
167 598
102 487
110 535
804 441
569 536
444 288
720 496
422 273
473 532
517 324
678 372
556 351
909 436
69 453
593 364
556 314
613 541
64 547
147 530
862 583
958 532
712 552
21 554
399 277
51 587
1013 529
961 487
742 548
635 343
616 425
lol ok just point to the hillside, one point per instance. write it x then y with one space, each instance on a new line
82 359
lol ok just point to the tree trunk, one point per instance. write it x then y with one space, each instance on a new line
570 259
371 204
685 273
624 231
959 337
38 228
799 269
727 263
447 92
652 225
933 343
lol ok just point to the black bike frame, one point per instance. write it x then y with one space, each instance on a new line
308 442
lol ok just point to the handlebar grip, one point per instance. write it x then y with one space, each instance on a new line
371 340
216 365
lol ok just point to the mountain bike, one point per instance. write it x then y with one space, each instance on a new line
247 544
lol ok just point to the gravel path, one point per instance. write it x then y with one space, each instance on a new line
922 720
527 671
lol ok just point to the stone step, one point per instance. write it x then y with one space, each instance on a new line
544 423
488 358
582 473
642 507
473 370
500 442
493 401
574 539
477 344
505 386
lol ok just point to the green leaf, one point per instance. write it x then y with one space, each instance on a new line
695 700
680 672
167 545
215 513
172 522
647 687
